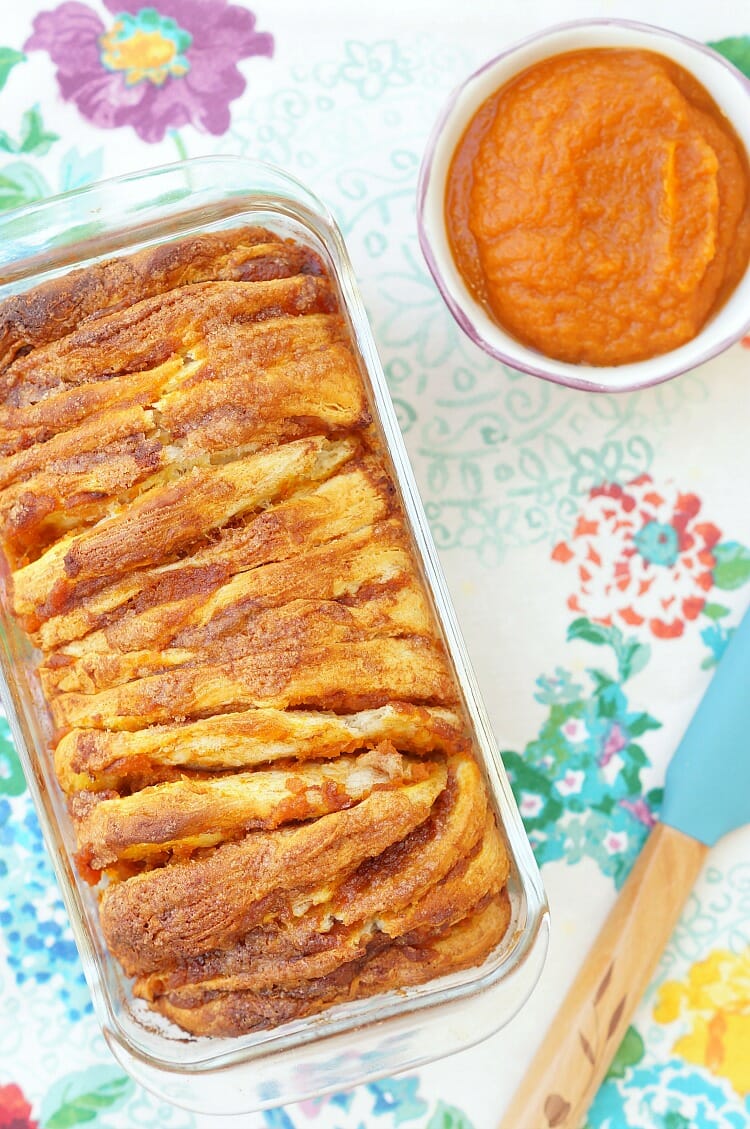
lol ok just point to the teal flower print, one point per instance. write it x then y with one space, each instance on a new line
658 543
579 783
558 687
372 68
670 1095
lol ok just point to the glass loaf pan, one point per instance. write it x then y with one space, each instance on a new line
352 1042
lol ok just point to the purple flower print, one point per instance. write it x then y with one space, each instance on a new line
614 743
640 810
153 69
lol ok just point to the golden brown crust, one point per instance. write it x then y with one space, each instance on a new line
153 330
156 919
419 860
181 816
238 632
340 677
170 515
399 963
190 604
93 759
56 308
356 497
73 397
316 944
257 729
75 476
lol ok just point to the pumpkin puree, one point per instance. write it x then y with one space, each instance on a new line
599 206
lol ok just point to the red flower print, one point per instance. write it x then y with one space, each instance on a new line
642 556
15 1111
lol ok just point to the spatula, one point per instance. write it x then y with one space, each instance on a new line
706 795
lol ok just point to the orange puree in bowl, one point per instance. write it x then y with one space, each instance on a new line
599 206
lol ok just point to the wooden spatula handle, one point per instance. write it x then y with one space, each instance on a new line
570 1064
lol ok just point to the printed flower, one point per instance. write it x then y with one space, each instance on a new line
615 742
716 1000
374 67
640 810
575 730
560 687
665 1095
579 783
15 1111
397 1099
641 556
152 69
571 784
530 806
39 945
615 842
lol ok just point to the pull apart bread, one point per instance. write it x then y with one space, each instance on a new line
255 724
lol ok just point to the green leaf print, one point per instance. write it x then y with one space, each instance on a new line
737 50
675 1120
8 60
631 773
533 781
629 1053
715 611
449 1117
642 723
12 782
78 1098
608 695
34 137
631 658
631 655
21 183
732 568
590 632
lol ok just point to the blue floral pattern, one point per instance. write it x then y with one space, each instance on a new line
675 1096
373 67
35 925
392 1101
579 784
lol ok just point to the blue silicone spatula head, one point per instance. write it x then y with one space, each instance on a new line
707 790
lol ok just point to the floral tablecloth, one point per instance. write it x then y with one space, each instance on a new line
597 547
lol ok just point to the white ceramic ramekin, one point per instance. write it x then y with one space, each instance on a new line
731 92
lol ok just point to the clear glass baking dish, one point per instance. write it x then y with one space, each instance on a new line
349 1043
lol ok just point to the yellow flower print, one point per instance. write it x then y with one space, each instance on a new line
716 1000
146 46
